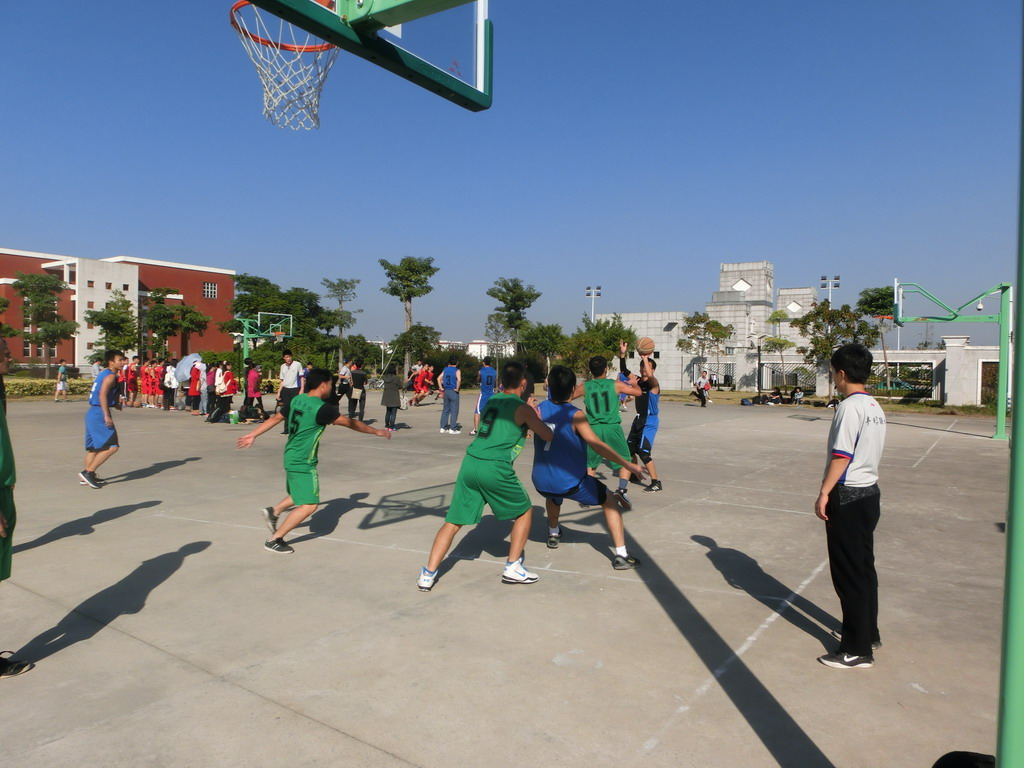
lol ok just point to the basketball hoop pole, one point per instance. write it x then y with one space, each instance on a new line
1003 319
334 28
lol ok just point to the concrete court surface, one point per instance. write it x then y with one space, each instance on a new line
166 636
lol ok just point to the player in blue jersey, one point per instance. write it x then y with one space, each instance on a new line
451 383
560 465
645 425
488 378
100 436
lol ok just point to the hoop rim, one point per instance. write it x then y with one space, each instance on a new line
270 43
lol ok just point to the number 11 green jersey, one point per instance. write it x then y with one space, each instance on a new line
602 401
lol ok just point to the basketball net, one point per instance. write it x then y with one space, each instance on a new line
292 65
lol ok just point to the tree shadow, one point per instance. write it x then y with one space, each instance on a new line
741 571
83 526
93 614
152 469
780 734
325 520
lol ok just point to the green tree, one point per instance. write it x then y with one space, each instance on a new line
407 280
878 304
701 335
780 345
342 291
827 329
6 329
545 339
514 299
119 327
595 337
168 320
40 295
497 334
417 342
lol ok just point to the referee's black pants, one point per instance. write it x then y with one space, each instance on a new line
850 533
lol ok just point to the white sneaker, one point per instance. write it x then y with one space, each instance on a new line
426 580
516 573
454 431
473 432
444 431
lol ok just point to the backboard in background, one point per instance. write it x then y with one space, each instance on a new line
444 46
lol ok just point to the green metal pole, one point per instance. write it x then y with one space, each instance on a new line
1004 360
1010 746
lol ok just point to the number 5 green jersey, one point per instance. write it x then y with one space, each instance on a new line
602 402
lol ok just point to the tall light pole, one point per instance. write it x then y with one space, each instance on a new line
381 355
828 285
593 293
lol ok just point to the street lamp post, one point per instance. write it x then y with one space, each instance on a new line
828 285
760 338
381 355
593 293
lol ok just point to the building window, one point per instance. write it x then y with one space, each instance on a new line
89 345
90 283
89 304
71 276
209 290
89 326
124 287
26 350
109 286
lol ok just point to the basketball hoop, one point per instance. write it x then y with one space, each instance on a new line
292 65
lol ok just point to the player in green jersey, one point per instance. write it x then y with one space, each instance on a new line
308 417
487 477
601 397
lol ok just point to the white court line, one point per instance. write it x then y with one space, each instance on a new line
754 506
708 684
923 457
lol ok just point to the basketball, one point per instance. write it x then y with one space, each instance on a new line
645 345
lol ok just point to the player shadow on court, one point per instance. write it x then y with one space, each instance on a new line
766 717
409 505
571 520
152 469
325 520
743 572
83 526
488 537
127 596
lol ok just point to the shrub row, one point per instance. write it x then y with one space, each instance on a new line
19 387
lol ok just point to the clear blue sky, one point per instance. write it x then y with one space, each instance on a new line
870 139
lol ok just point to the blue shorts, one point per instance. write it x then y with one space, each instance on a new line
98 436
589 492
481 403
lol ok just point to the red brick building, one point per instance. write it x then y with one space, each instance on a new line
91 283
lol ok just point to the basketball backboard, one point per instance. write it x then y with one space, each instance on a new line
444 46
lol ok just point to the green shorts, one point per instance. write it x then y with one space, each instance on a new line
303 486
610 434
486 482
7 508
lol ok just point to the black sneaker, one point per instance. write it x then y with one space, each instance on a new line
271 518
654 487
635 479
13 667
875 645
839 660
89 478
95 477
554 538
620 563
278 545
624 502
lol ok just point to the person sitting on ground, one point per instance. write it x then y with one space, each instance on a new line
775 398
